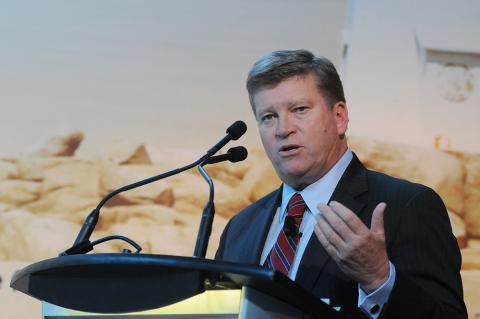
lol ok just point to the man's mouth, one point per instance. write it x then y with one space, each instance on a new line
288 150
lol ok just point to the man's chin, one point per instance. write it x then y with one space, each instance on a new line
292 177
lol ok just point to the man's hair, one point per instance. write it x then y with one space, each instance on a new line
277 66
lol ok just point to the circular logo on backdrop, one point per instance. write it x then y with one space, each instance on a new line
455 82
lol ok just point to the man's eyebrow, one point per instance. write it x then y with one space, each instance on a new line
297 102
269 108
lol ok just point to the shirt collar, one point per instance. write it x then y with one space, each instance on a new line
321 190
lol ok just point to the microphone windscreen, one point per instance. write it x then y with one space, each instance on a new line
238 154
289 226
237 129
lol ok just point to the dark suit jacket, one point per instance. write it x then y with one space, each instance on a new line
419 243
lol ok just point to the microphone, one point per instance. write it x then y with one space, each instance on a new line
290 228
234 132
234 154
82 243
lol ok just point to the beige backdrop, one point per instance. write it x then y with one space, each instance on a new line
99 94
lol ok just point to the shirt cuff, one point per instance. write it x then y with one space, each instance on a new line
373 303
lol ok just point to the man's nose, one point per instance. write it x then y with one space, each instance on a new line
285 126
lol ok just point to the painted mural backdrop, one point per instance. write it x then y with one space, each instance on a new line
100 94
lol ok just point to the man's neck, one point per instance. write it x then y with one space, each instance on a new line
301 186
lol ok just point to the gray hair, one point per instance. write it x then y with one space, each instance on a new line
277 66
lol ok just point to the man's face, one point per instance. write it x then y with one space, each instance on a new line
301 134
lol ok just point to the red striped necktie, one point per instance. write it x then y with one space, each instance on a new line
283 252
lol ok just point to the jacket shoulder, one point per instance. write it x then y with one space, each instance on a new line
388 186
264 202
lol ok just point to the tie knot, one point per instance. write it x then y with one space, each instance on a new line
296 206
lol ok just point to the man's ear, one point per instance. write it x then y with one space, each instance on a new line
340 111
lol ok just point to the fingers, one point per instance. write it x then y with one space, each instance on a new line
345 222
340 227
377 225
348 217
329 247
335 222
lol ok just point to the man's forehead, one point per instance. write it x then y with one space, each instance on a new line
292 78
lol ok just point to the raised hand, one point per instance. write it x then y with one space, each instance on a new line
359 252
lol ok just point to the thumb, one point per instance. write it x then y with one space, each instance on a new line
377 219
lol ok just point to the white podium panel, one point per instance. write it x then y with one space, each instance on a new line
246 303
218 304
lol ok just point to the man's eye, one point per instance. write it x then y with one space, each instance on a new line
267 117
301 109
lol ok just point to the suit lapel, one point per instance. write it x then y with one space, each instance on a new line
352 184
252 247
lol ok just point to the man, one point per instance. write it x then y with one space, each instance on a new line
356 238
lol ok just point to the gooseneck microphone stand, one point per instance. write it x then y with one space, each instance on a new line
205 228
83 244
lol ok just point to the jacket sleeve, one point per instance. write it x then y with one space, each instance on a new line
221 245
427 259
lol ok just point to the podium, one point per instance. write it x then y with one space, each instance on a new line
131 285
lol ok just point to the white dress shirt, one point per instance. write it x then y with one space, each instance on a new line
320 192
